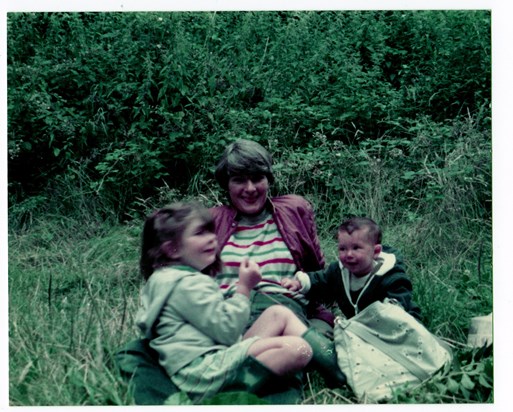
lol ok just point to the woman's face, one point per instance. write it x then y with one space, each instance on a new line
248 193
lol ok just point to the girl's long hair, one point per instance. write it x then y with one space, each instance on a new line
169 224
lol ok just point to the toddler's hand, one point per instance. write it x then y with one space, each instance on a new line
249 273
291 284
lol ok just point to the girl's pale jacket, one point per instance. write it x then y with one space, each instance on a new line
184 314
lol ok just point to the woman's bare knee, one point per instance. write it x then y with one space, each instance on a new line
279 311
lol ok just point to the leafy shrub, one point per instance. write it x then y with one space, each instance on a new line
470 380
148 99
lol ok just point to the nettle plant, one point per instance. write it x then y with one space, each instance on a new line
470 380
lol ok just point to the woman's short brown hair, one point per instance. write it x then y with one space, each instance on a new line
243 157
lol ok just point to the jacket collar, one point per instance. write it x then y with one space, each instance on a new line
383 263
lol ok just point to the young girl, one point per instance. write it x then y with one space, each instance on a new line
196 332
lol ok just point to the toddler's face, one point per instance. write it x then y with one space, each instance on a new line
356 252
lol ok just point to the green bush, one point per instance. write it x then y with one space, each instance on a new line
143 100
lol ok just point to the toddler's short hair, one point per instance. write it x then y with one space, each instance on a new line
356 223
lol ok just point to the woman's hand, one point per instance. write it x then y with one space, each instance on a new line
249 276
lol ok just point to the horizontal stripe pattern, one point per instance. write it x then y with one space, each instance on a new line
276 240
267 287
262 243
264 262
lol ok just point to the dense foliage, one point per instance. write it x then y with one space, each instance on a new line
137 101
378 113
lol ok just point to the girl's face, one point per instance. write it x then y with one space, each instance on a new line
248 193
198 246
357 252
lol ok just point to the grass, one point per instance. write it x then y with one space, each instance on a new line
71 304
73 295
74 284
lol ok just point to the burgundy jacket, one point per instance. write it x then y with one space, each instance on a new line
294 217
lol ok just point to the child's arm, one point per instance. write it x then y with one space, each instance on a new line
322 286
396 284
299 283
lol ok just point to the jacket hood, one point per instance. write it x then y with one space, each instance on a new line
156 293
383 263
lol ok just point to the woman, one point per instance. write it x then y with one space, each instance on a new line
277 233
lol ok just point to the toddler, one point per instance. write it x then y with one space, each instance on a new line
365 272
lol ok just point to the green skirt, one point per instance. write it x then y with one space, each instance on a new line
207 375
261 301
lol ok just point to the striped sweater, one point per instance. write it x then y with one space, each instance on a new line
259 240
